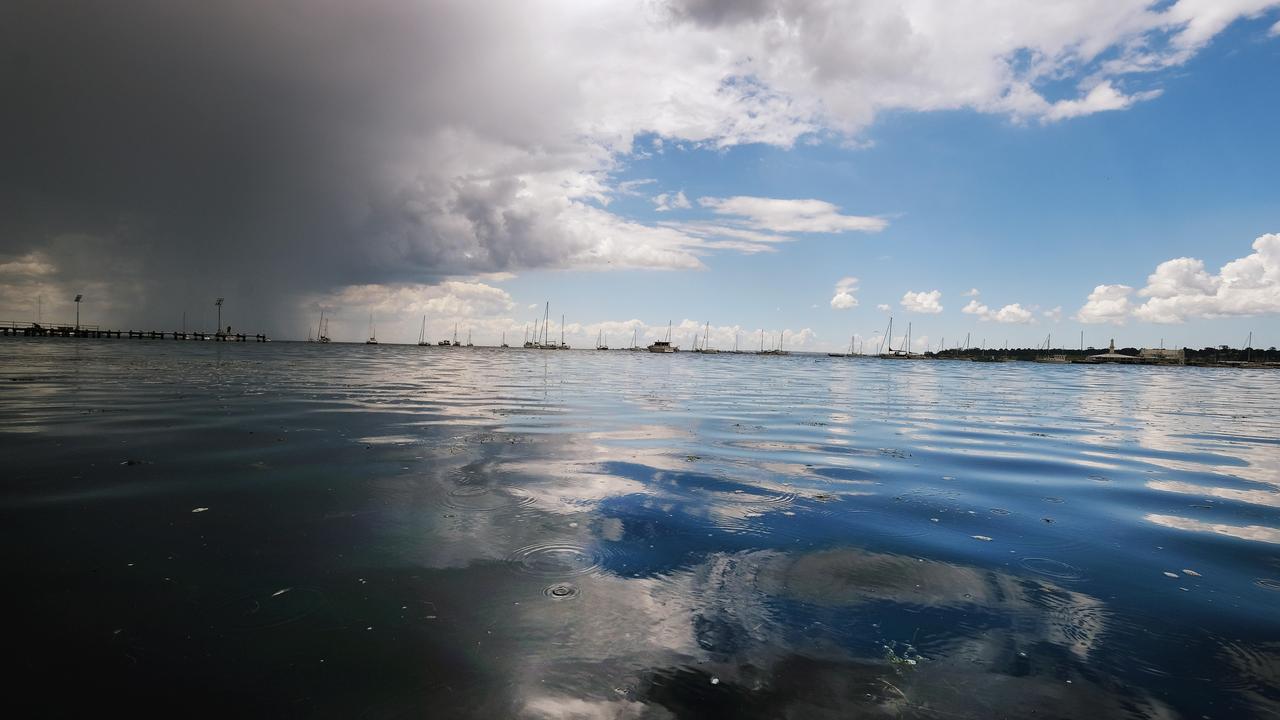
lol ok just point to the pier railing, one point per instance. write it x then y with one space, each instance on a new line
12 328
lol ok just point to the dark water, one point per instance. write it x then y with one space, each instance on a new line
387 532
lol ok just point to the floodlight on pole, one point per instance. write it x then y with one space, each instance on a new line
79 297
218 302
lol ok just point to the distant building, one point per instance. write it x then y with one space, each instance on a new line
1111 356
1161 356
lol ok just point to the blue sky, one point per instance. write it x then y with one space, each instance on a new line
1030 213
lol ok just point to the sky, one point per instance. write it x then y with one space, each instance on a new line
1006 172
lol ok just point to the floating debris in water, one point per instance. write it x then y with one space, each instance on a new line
983 538
715 680
200 510
278 593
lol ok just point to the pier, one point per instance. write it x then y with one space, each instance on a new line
30 329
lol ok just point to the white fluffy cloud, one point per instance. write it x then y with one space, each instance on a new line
883 307
790 216
667 201
1014 313
1103 96
1106 304
971 292
845 62
1181 289
843 298
923 302
1054 315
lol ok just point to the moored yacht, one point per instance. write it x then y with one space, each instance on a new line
664 346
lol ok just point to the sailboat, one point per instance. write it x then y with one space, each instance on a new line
664 346
1058 359
735 350
321 331
900 353
849 354
773 351
422 334
373 338
542 342
504 339
635 335
600 341
455 335
469 338
705 349
563 345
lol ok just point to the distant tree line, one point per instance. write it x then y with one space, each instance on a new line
1205 355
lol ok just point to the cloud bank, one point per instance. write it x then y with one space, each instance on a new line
1181 289
163 153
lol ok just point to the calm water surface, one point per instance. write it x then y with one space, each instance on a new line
383 532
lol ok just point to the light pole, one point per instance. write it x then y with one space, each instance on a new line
218 302
79 297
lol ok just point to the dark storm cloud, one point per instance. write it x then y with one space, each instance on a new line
192 136
262 149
